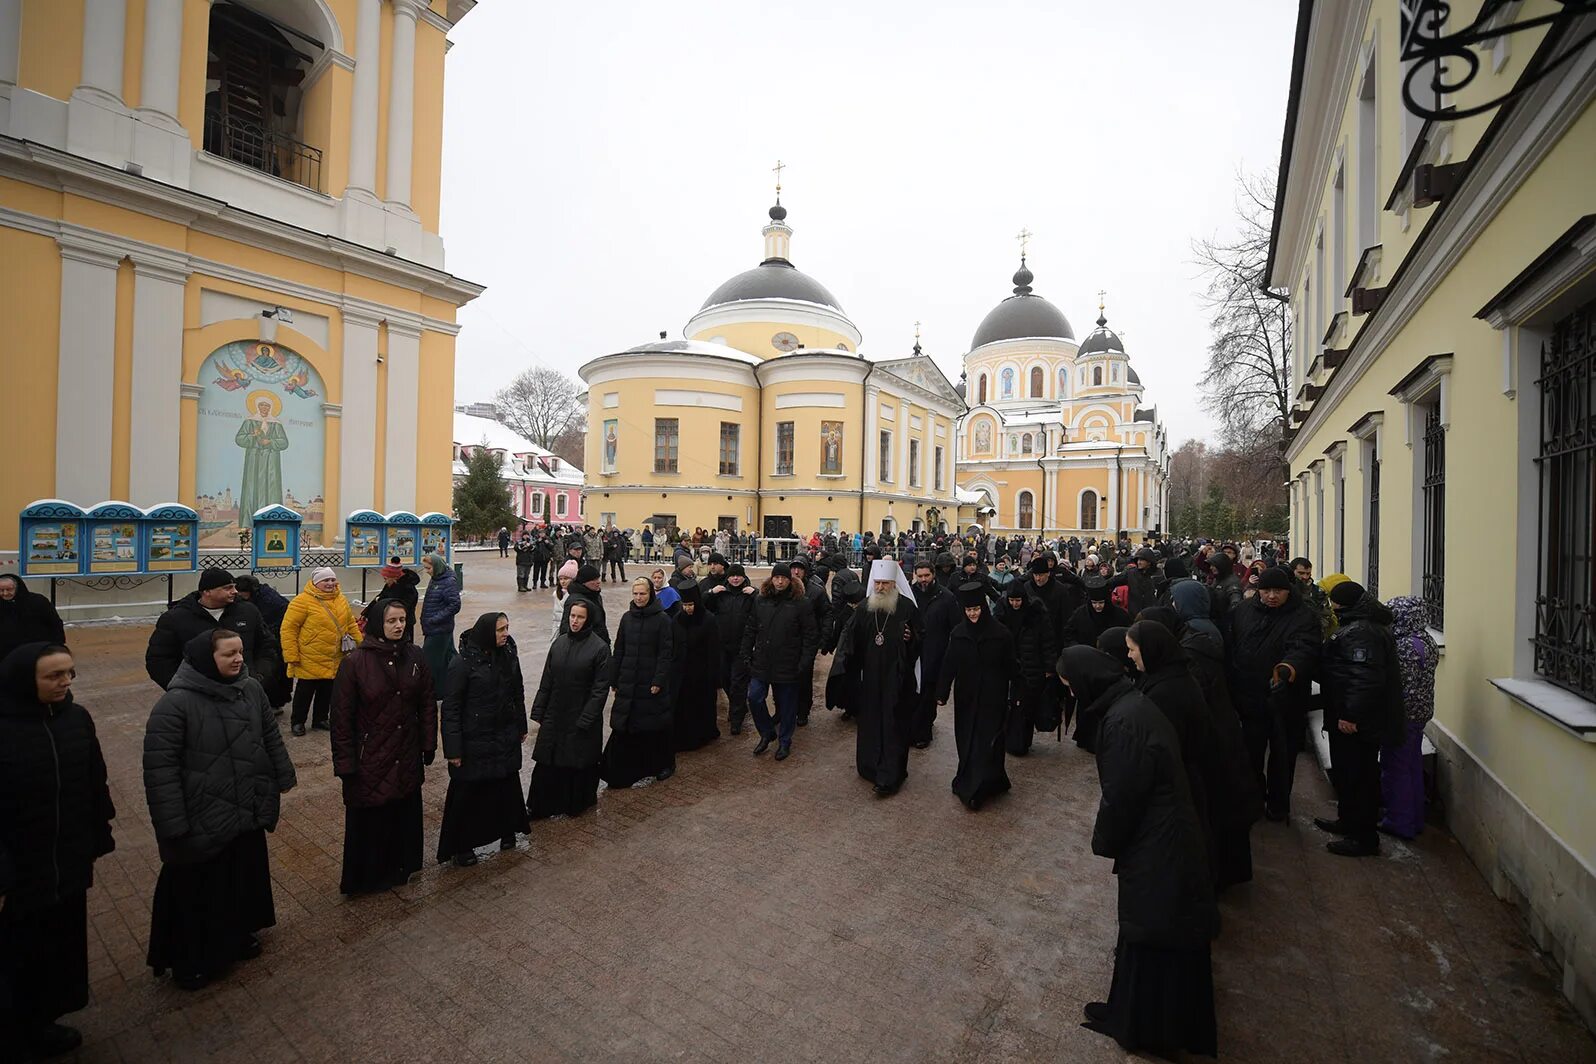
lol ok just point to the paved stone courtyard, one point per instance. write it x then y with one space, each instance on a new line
752 911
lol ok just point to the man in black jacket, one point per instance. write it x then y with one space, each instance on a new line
1274 653
1138 579
1059 592
939 614
214 605
730 602
1362 709
525 553
542 554
815 595
779 644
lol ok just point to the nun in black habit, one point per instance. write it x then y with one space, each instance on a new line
697 672
1161 998
977 670
1026 620
484 725
642 672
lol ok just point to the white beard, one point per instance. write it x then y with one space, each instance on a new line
882 601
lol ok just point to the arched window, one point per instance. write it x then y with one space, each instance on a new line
1097 376
1063 383
980 390
1025 443
1007 379
1036 382
1088 510
1027 510
1116 371
253 99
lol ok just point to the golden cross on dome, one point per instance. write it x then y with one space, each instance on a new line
777 169
1024 237
1102 293
916 332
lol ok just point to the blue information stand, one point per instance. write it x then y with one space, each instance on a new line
274 538
437 535
401 537
52 539
363 540
169 539
59 538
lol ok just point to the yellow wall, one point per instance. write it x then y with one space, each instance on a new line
51 60
806 437
754 337
435 424
191 78
426 166
30 300
1534 759
122 376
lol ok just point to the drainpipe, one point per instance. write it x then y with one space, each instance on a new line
1043 468
1119 494
864 444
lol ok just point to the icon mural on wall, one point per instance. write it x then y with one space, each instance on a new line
261 440
611 445
830 447
983 435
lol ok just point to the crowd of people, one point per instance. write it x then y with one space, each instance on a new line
1186 669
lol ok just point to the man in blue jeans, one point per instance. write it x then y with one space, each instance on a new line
781 638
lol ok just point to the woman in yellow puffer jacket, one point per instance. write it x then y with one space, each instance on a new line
315 625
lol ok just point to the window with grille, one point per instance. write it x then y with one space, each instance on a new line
1027 510
1564 643
936 470
886 456
665 444
1433 505
914 463
1341 517
784 447
730 437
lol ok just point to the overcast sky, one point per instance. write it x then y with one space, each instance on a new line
606 166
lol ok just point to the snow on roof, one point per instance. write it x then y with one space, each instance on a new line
472 431
967 497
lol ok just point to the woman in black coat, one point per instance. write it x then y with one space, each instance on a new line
484 725
1167 681
1162 995
642 670
1026 619
55 820
977 670
1234 801
384 729
697 670
569 710
26 617
214 771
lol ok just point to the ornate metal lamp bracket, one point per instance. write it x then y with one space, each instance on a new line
1445 63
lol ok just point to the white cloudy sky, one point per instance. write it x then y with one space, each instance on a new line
607 165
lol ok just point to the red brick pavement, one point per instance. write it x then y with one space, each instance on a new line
747 910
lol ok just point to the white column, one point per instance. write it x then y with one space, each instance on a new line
399 446
163 55
1109 511
358 439
872 442
104 33
363 106
85 359
401 101
10 42
158 288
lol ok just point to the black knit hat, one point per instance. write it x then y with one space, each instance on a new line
717 559
1274 578
1015 590
211 579
586 573
1039 565
1347 593
736 569
781 569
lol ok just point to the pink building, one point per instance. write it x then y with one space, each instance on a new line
544 489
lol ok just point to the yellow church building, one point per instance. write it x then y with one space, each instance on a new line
218 236
766 417
1057 441
1438 244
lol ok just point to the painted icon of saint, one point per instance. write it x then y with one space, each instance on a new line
263 439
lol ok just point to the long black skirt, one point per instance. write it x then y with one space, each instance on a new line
631 756
694 719
1161 1000
477 812
203 914
561 791
44 966
382 845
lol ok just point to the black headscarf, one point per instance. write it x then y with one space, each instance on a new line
199 653
1159 648
587 624
484 635
1112 643
1165 616
1090 673
19 681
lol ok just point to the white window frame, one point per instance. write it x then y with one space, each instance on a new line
562 504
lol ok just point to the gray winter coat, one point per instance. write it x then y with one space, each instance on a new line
214 765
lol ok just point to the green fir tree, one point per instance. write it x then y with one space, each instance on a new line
482 498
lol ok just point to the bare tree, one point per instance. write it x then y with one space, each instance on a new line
541 405
1247 383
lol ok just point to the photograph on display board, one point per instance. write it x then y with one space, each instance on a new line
116 543
52 542
402 541
432 541
365 546
171 543
262 430
276 541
